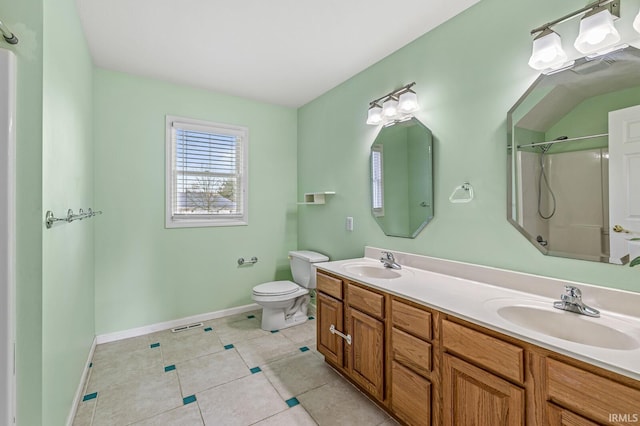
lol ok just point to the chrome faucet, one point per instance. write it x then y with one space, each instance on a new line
571 301
389 261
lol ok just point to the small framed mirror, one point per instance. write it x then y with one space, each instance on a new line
574 160
402 178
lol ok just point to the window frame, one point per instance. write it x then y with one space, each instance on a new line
377 185
196 221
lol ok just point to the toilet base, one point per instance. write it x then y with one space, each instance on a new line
277 319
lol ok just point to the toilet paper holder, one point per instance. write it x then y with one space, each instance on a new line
253 260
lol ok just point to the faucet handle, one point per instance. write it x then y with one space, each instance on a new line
388 255
572 291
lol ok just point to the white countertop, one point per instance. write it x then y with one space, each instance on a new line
477 302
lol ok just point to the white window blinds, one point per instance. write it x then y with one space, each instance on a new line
377 175
208 174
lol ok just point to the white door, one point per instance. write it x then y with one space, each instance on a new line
624 182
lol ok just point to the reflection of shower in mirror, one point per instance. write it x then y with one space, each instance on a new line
543 177
564 196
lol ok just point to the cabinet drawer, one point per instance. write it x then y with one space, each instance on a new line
588 394
411 319
411 351
366 301
500 357
329 285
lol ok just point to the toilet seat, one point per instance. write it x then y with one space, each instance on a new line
276 288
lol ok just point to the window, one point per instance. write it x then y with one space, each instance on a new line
377 179
206 172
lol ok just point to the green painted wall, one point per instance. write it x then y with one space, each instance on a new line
67 182
147 274
469 72
25 19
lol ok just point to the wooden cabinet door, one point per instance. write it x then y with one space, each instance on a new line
330 312
473 396
366 353
558 416
410 396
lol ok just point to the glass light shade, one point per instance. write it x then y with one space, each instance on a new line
408 102
597 32
390 107
374 116
636 23
547 52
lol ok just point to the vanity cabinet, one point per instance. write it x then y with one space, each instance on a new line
473 396
411 353
330 313
559 416
426 367
482 378
357 344
589 396
365 355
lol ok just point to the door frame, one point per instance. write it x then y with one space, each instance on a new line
7 235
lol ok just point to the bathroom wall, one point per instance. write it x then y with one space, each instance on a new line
147 274
67 182
25 18
469 72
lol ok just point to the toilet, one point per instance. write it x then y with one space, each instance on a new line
284 303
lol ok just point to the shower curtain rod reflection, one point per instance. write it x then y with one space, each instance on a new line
563 140
50 218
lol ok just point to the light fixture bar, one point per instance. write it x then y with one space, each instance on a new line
614 8
393 93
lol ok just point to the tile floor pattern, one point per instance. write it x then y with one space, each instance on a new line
227 372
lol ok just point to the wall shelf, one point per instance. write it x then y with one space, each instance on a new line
316 197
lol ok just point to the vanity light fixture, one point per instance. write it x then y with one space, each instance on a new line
374 117
597 36
390 107
408 102
547 51
396 106
597 31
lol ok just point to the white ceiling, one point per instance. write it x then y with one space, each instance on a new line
284 52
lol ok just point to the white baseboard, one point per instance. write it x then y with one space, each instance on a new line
147 329
81 386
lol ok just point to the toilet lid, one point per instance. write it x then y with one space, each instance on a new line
275 288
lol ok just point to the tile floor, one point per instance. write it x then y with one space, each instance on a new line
228 372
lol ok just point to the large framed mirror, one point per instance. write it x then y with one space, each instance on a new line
402 178
574 160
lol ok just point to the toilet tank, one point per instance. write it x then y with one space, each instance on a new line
304 274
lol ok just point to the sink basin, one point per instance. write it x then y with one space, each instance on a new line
371 271
604 332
